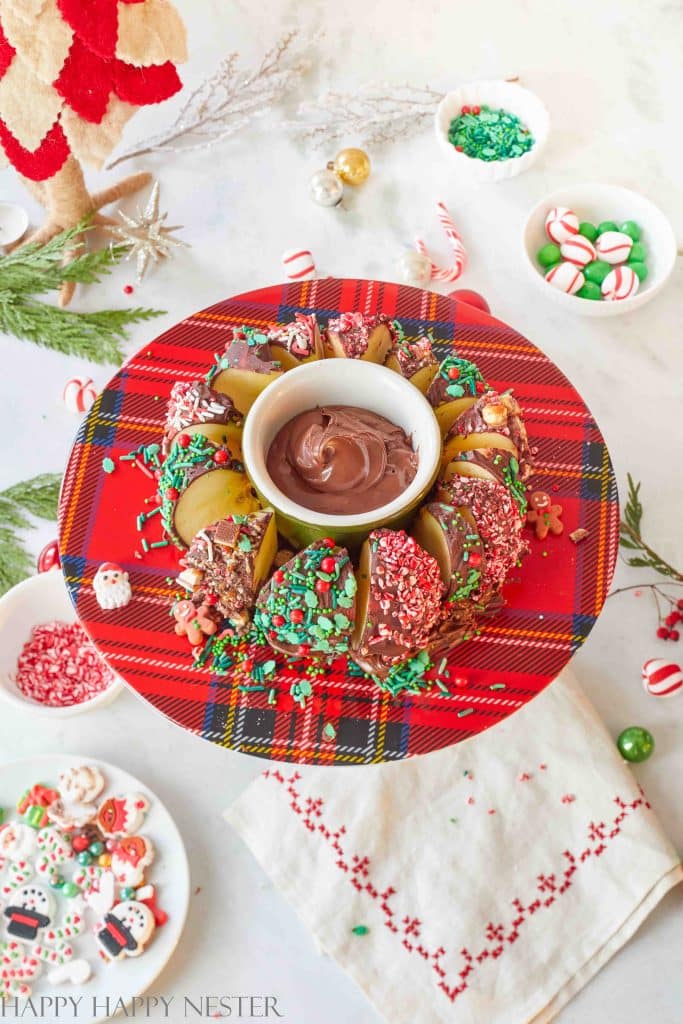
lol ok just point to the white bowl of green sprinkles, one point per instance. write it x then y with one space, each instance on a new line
497 96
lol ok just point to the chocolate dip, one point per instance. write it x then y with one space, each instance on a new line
341 460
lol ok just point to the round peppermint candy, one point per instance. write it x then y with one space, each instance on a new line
613 247
620 283
298 264
79 394
561 224
578 250
662 678
566 277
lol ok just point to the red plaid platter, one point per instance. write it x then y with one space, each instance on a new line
553 600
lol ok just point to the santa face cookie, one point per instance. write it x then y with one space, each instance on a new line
111 586
126 930
77 788
130 858
122 815
17 841
28 912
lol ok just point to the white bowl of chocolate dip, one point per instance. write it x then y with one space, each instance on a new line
339 447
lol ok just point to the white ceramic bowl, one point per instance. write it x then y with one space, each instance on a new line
596 203
498 95
340 382
39 599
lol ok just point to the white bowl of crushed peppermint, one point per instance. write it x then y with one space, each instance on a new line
48 664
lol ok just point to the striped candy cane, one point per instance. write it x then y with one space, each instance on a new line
459 254
57 955
20 872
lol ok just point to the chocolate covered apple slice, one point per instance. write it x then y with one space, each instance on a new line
245 369
228 561
309 604
495 421
490 464
196 408
399 599
455 387
357 336
413 359
200 483
457 547
491 509
297 342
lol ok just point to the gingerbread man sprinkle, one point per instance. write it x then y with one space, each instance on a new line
194 622
543 515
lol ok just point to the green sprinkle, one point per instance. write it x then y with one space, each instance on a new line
465 711
108 465
160 544
497 686
145 545
360 929
251 689
329 731
271 697
244 544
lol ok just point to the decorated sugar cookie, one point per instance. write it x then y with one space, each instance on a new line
17 841
111 586
130 858
122 815
28 912
78 787
126 930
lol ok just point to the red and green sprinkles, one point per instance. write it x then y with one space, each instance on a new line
488 134
309 604
190 455
463 377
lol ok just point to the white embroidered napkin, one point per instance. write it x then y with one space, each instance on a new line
487 882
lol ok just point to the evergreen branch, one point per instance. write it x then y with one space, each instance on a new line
35 269
39 496
630 537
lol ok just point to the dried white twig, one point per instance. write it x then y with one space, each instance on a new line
225 102
375 113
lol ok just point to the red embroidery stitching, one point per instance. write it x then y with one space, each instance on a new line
497 935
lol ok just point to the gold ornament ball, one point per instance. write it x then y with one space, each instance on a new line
352 166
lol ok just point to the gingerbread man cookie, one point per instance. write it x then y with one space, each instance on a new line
194 622
543 515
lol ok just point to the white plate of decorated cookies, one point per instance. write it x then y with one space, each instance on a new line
94 886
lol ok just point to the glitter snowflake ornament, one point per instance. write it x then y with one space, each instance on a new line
149 239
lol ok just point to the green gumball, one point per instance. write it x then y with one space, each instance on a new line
588 230
639 269
630 228
549 255
638 253
596 271
606 225
589 290
635 744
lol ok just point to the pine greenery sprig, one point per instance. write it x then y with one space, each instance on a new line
39 497
630 537
35 269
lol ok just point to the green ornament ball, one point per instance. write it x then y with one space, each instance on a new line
56 882
630 228
549 255
596 271
588 230
96 848
128 893
639 269
638 253
635 744
589 290
606 225
70 889
84 858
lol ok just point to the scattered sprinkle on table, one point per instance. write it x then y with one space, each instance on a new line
59 666
360 929
487 134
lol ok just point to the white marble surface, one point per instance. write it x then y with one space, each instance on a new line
611 76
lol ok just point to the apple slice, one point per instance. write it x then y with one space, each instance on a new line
229 560
495 421
245 369
199 484
228 435
357 336
450 538
195 403
309 604
456 386
296 342
399 598
413 359
490 464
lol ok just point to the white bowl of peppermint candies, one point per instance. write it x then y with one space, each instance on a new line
599 250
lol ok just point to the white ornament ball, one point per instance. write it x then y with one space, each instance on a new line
578 250
561 224
415 268
613 246
79 394
620 283
298 264
662 678
566 278
326 188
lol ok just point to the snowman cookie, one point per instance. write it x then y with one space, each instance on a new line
29 911
125 930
